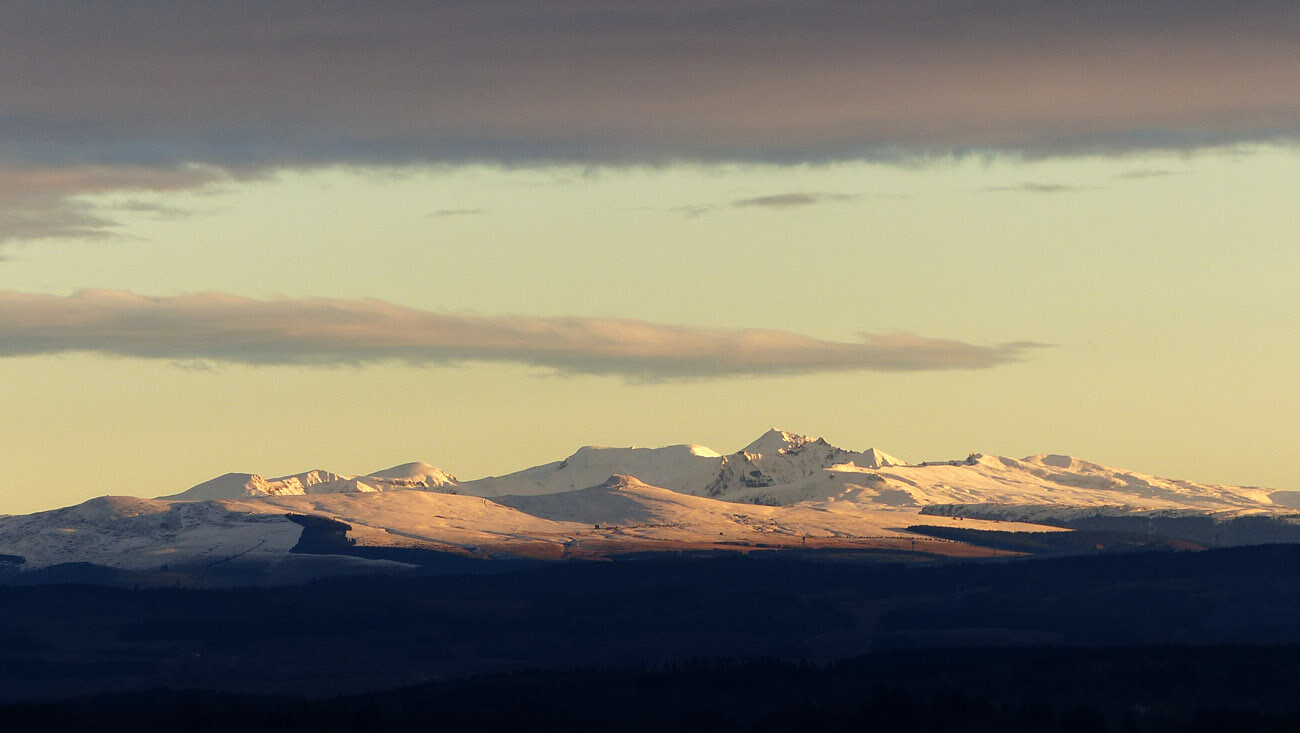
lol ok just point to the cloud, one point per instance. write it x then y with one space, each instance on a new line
50 201
692 211
1032 187
246 84
774 201
456 212
1141 173
53 218
156 210
214 327
193 365
153 88
787 200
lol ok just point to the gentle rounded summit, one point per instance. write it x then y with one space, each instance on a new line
417 471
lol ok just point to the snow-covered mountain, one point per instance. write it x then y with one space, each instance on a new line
781 468
127 532
771 469
620 515
781 490
418 472
418 476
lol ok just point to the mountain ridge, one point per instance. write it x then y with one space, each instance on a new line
782 468
782 491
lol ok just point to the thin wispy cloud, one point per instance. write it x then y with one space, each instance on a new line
193 365
45 201
440 213
789 200
53 218
693 211
1142 173
156 210
220 328
1032 187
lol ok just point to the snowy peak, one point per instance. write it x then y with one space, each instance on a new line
417 472
108 508
590 456
779 458
873 458
777 441
621 482
416 476
1062 462
225 486
310 482
682 468
778 468
762 471
781 490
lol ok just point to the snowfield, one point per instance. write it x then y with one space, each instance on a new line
780 491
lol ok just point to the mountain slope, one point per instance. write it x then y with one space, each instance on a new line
775 459
621 515
782 468
1064 481
782 490
677 467
418 475
417 472
126 532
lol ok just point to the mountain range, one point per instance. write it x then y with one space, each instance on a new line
782 491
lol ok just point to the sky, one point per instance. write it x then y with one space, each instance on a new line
272 237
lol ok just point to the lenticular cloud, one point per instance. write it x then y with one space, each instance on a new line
324 331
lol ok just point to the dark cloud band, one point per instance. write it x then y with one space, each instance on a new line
246 87
616 81
319 331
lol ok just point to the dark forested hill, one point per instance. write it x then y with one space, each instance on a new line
357 634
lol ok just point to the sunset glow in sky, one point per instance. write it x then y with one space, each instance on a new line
275 237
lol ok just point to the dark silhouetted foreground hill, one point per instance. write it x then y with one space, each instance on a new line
1053 689
356 634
